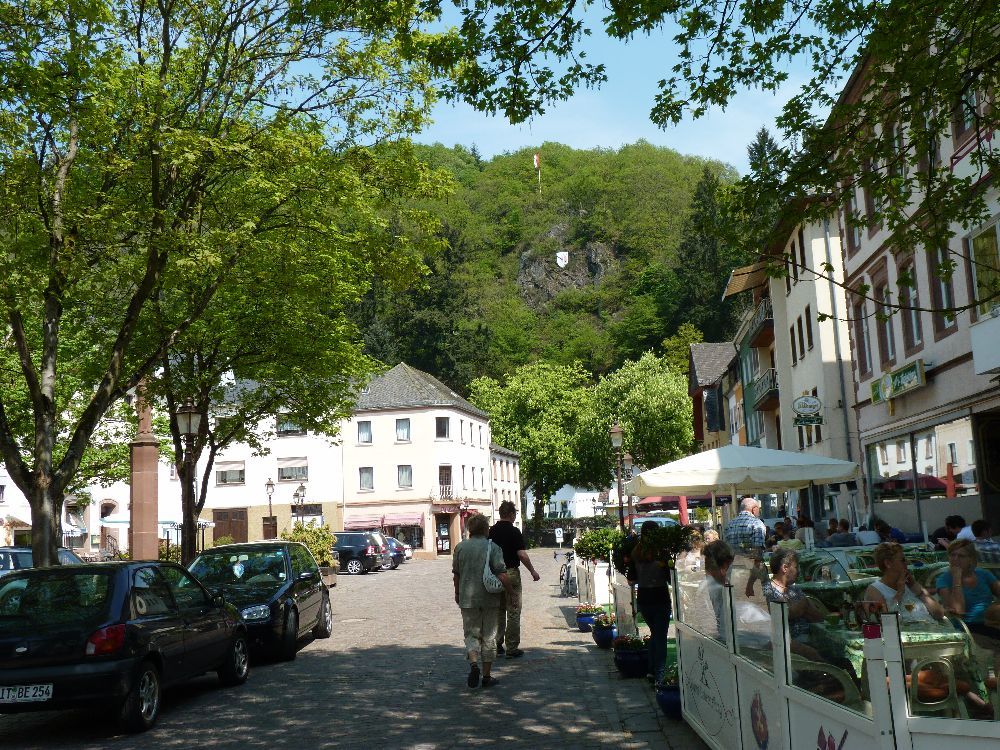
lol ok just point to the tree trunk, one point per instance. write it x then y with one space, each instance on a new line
189 531
46 529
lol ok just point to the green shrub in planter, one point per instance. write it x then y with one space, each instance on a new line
596 544
319 540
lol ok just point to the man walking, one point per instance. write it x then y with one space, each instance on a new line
509 539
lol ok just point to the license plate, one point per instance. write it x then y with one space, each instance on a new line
25 693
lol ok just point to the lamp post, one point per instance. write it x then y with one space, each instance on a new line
188 422
627 476
300 499
616 443
271 526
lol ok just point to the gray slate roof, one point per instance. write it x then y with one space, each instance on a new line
710 361
496 448
405 387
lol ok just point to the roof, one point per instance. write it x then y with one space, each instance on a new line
709 362
745 278
494 448
405 387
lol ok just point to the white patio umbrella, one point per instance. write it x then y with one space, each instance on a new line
740 467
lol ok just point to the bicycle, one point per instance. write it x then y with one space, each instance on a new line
567 574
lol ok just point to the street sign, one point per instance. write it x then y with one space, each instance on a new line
559 536
806 421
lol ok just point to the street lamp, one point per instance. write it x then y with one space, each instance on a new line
269 489
616 443
188 422
626 476
300 498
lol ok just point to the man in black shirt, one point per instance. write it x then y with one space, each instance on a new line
509 539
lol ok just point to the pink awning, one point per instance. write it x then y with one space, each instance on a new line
363 523
403 519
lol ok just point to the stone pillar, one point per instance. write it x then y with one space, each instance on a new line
145 454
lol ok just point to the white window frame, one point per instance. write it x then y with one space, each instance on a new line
406 484
361 425
362 472
400 422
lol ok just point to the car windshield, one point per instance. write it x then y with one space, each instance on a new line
15 559
240 567
53 596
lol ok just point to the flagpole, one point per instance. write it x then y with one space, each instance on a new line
538 169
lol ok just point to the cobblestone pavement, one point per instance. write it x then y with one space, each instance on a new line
393 676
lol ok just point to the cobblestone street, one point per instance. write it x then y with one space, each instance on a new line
393 676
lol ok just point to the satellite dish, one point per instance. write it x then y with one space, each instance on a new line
562 259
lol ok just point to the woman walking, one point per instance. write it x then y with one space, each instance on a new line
479 606
651 576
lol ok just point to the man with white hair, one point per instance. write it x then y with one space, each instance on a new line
746 532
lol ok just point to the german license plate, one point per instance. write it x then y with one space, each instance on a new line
25 693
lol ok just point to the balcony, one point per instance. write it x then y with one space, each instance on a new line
984 335
763 394
761 330
446 492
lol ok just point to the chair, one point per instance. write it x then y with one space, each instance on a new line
927 575
984 661
936 690
827 680
824 610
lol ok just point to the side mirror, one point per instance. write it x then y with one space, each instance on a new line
307 575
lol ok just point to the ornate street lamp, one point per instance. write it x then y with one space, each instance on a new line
269 489
616 444
188 422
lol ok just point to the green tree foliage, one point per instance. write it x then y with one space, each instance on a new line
539 411
319 540
147 151
677 348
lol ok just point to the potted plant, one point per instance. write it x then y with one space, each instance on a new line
668 692
604 630
595 545
585 615
632 655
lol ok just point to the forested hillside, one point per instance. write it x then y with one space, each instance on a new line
634 224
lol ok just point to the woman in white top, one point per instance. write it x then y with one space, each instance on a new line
897 591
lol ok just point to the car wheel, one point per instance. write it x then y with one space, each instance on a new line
387 565
289 637
236 667
354 567
395 563
142 704
324 627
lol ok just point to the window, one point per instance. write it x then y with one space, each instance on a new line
443 428
464 485
286 427
364 432
472 471
986 270
818 429
886 337
851 224
480 436
862 339
931 157
293 469
802 341
883 455
972 453
482 478
461 430
404 475
366 475
809 327
964 120
802 437
788 273
953 454
908 299
929 447
942 268
229 472
403 430
802 251
791 341
900 451
795 265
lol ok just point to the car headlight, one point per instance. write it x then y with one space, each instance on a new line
257 612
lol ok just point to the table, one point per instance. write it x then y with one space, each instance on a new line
919 640
831 593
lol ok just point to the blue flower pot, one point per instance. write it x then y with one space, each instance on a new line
603 637
585 623
669 699
632 663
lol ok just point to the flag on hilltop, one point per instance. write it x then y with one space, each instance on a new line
538 169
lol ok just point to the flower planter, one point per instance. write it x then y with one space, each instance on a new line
632 663
585 622
669 699
604 636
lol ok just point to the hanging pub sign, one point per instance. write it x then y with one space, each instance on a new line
807 406
897 382
806 421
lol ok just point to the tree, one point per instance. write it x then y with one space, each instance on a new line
887 82
146 151
539 411
677 348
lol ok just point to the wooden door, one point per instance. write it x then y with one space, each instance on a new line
231 523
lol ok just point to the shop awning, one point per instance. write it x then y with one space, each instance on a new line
362 523
402 519
116 520
745 278
16 523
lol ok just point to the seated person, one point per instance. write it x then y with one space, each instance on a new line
897 591
843 537
969 592
782 588
889 533
988 550
945 535
718 559
711 536
831 528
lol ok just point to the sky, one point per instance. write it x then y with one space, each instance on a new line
618 112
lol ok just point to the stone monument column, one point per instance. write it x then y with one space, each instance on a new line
144 460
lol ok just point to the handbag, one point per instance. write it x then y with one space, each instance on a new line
493 584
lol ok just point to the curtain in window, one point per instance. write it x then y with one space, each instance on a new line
404 473
364 432
367 476
402 429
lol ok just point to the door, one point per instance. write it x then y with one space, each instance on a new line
308 587
231 523
206 636
442 524
155 613
270 527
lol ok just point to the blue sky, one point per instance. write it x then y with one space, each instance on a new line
618 112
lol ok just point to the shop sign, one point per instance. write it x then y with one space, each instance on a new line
806 421
807 406
896 383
